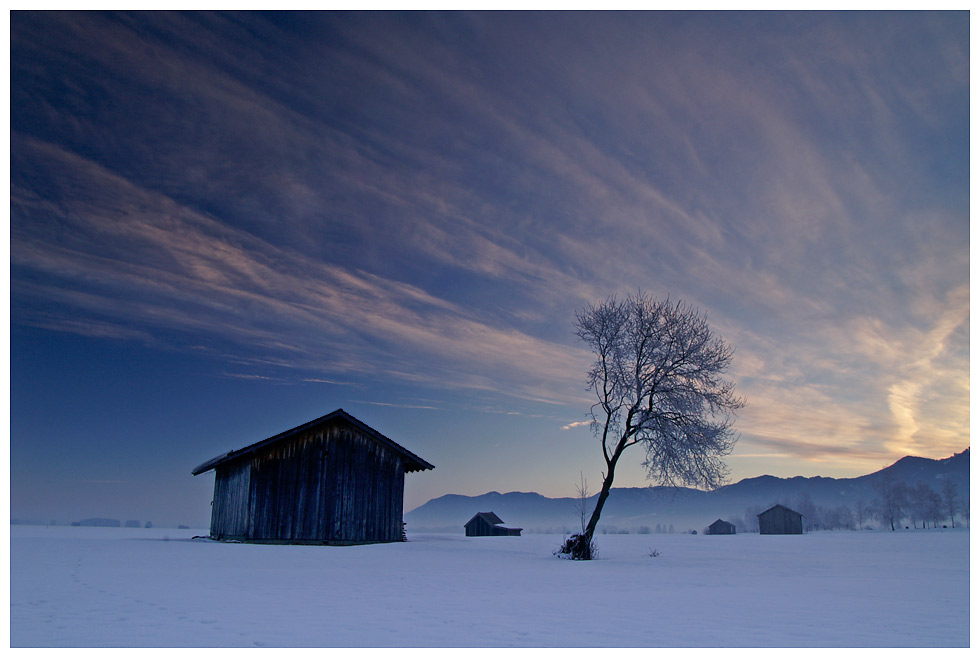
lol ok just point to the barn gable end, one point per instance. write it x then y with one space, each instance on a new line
721 527
780 520
487 524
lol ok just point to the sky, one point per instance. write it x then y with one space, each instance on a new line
224 225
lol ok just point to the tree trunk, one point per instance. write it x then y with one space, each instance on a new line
601 500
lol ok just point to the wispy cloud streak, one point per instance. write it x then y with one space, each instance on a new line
431 200
165 266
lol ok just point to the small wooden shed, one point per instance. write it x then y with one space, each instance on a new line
333 480
487 524
720 527
780 520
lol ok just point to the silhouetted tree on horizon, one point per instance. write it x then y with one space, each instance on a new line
925 503
950 495
805 506
892 499
861 512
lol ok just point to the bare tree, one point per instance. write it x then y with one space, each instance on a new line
658 380
752 518
811 514
582 494
845 517
930 505
892 499
861 512
950 496
925 504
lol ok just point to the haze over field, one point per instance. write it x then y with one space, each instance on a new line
224 225
827 503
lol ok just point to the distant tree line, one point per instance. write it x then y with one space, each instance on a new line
919 503
665 529
639 530
895 503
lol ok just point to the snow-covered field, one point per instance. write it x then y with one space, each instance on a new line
110 587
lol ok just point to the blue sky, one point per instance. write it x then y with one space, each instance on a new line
225 225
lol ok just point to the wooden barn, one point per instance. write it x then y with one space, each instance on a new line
780 520
720 527
333 480
487 524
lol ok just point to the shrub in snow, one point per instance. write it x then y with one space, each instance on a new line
578 547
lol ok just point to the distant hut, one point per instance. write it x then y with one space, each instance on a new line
333 480
780 520
487 524
720 527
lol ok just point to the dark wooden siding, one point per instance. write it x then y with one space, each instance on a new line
328 484
479 527
366 483
230 507
780 521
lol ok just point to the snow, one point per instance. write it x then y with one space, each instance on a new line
119 587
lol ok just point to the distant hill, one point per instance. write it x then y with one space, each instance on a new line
643 509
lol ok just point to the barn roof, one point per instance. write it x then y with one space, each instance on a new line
489 517
779 507
412 461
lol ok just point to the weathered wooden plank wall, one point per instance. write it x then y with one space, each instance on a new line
368 484
479 527
230 507
328 484
780 521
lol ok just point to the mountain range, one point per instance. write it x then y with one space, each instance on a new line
643 509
